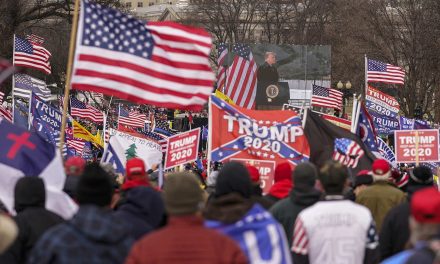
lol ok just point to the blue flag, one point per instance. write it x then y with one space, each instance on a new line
406 123
386 152
27 154
259 236
46 120
21 112
365 130
205 133
385 125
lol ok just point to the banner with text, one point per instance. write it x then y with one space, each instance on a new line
45 119
123 146
182 148
238 133
384 124
381 103
411 145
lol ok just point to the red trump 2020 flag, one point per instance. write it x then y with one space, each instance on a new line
160 63
251 136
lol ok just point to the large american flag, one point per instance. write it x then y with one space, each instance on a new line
383 72
241 80
326 97
83 110
25 84
221 73
5 113
159 63
131 118
31 55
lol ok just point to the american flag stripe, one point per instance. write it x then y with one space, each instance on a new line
383 72
2 95
300 240
221 76
35 39
131 118
5 113
31 55
241 80
174 73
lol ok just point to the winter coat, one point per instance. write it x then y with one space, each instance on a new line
395 231
32 220
93 235
32 223
186 240
141 209
380 198
287 210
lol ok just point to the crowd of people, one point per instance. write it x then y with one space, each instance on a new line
309 215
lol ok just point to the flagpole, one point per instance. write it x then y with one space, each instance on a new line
13 82
69 73
353 113
366 74
208 156
119 114
29 114
104 130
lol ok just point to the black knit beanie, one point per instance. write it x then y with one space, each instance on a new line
233 177
95 186
29 192
304 176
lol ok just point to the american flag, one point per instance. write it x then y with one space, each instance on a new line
347 152
221 73
160 139
131 118
383 72
76 144
31 55
300 241
326 97
159 63
241 82
5 113
83 110
25 84
35 39
2 95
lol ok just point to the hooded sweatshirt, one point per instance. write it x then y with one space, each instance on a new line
142 209
283 183
93 235
32 219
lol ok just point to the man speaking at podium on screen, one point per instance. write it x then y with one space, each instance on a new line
267 80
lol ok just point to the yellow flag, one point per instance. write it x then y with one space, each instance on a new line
224 97
81 132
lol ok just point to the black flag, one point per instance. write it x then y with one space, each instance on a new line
328 141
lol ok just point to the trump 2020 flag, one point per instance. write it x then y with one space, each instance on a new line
328 141
259 236
248 135
123 146
26 154
46 120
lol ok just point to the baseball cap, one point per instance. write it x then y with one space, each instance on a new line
380 167
425 205
135 166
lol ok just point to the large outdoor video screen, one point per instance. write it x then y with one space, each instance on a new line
279 74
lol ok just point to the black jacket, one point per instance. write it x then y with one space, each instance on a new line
394 234
142 209
32 219
286 210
